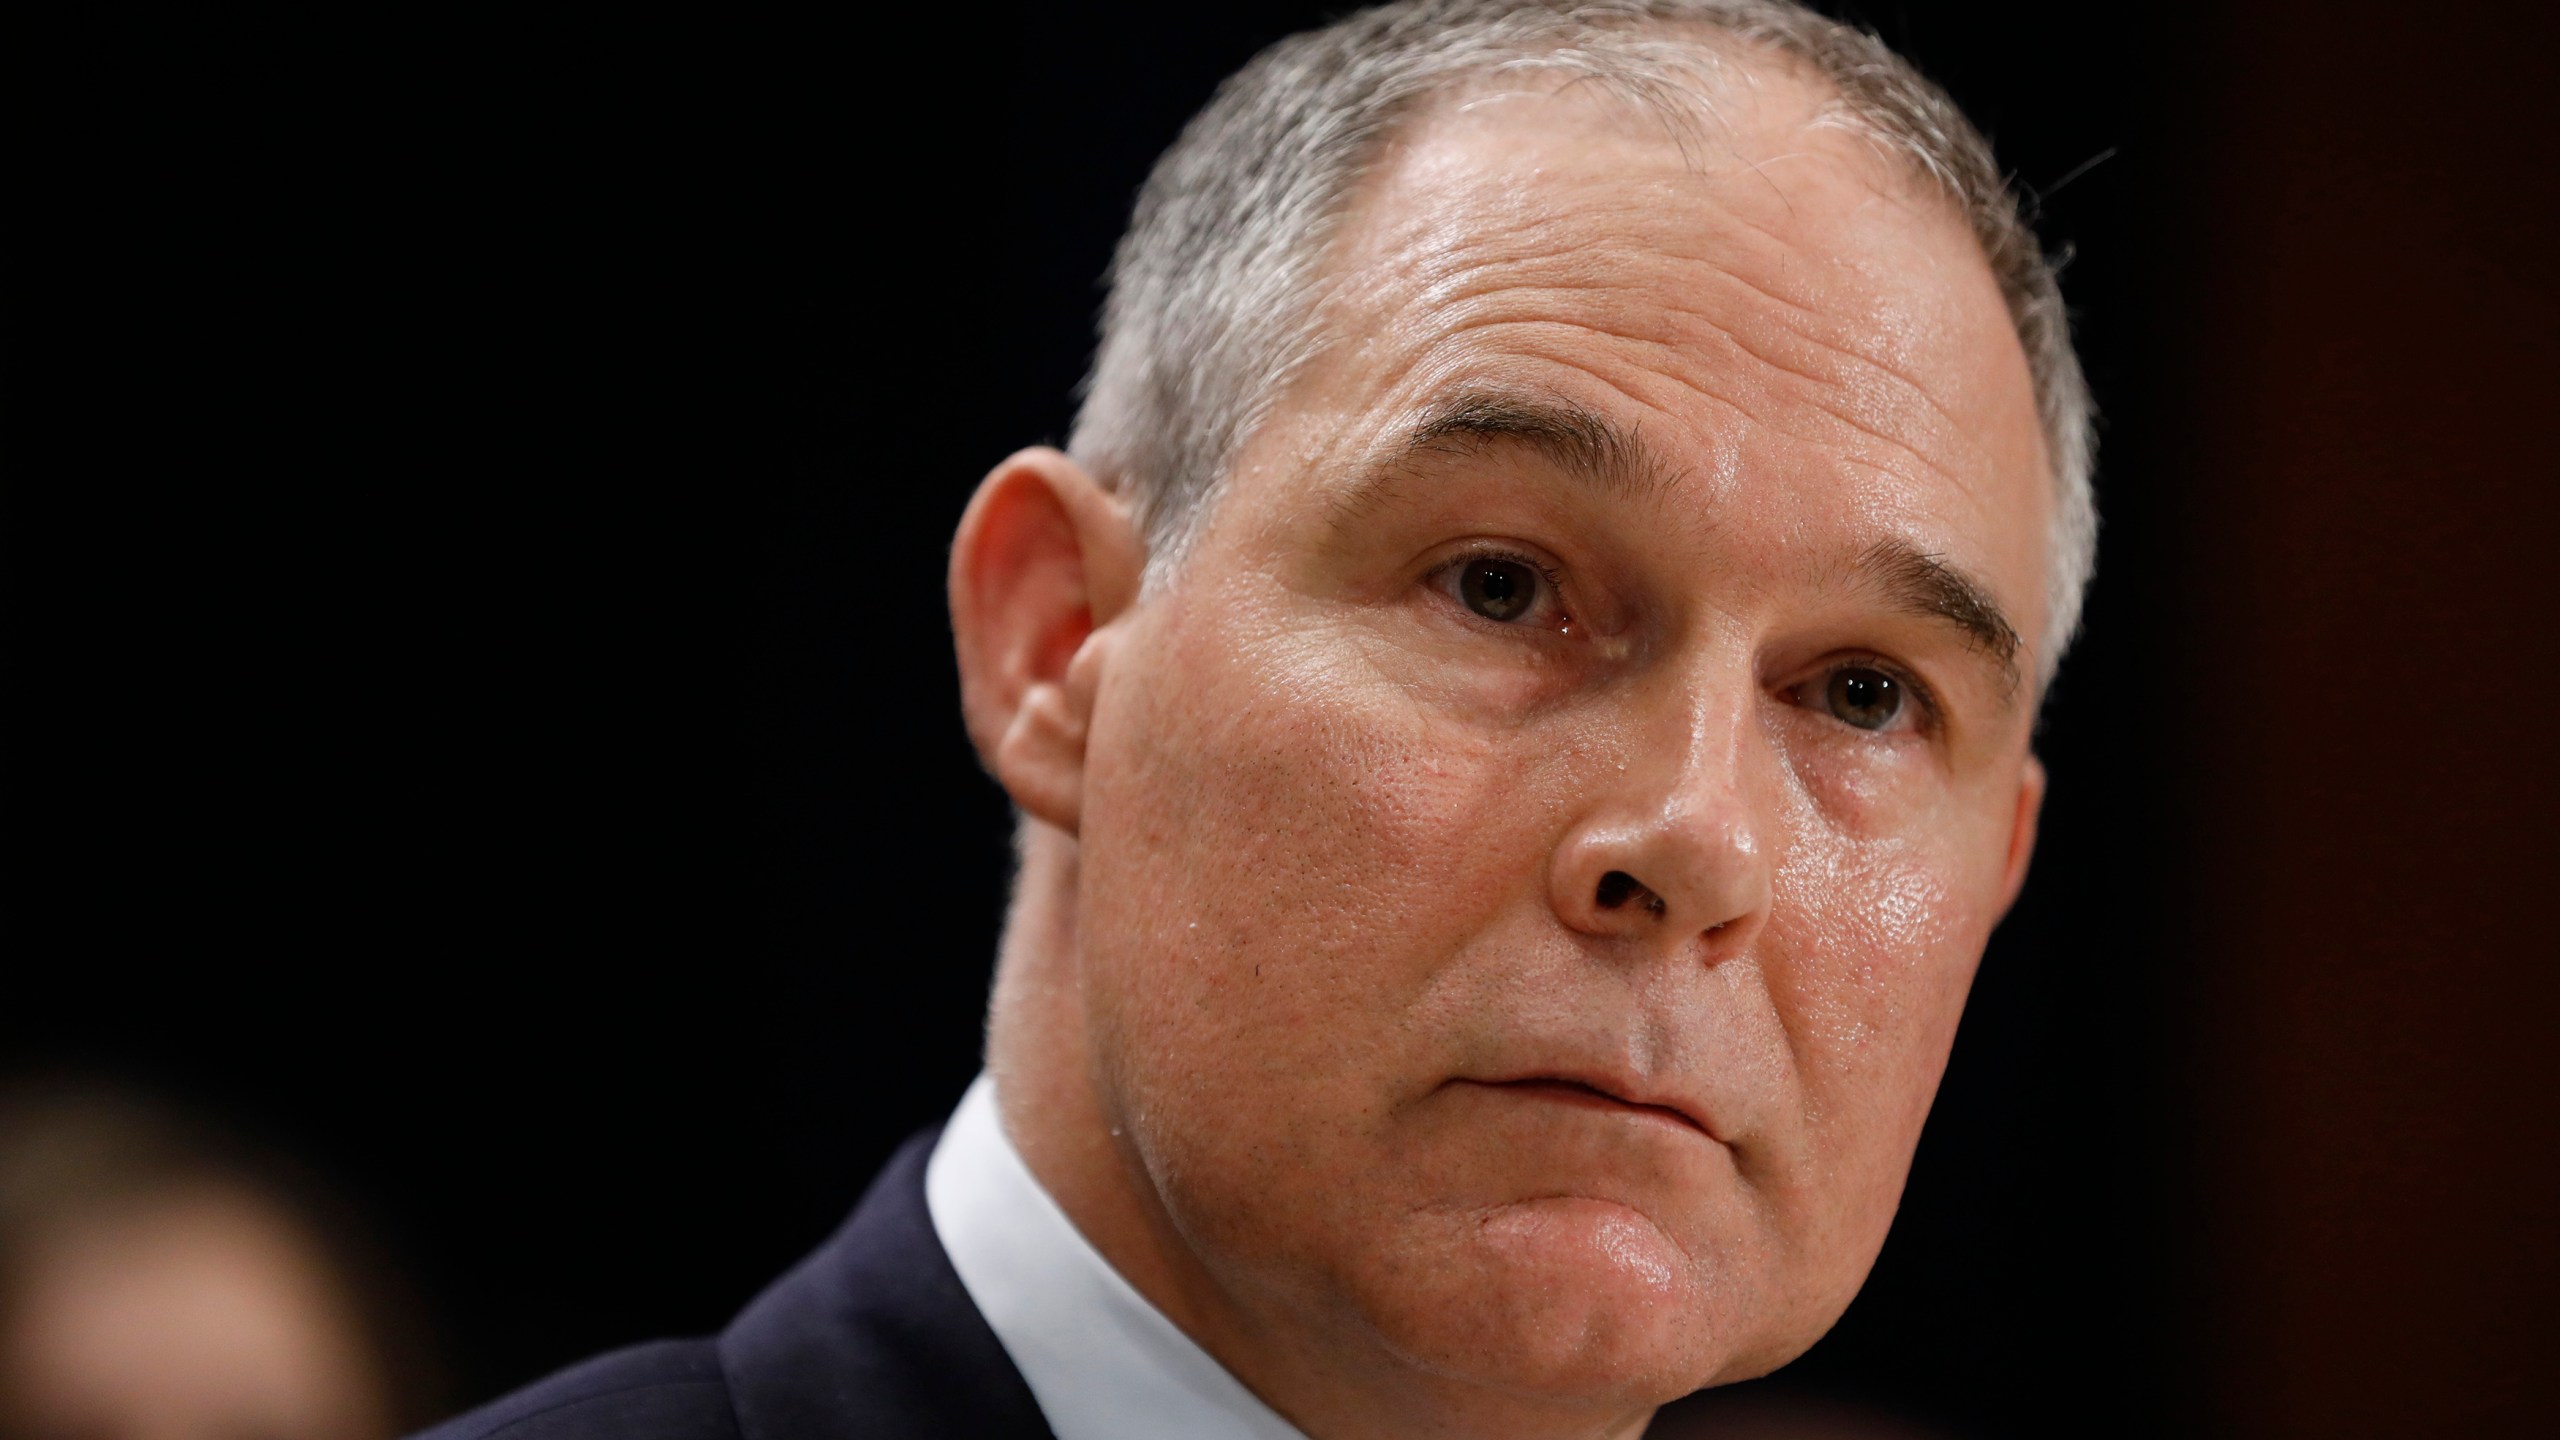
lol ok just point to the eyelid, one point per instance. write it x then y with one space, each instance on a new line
1548 574
1932 715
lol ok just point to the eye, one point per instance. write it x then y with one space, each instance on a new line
1507 587
1498 588
1863 696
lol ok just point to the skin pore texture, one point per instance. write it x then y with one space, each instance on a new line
1481 962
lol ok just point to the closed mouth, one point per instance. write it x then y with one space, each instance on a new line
1582 1092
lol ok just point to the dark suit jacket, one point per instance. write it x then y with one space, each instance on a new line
873 1337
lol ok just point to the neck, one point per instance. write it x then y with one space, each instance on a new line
1331 1379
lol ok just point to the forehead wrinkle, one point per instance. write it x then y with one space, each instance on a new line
1468 286
1461 258
1826 385
1848 351
1371 486
1592 446
1469 267
1828 390
1732 398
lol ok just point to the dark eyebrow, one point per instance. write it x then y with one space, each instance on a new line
1582 443
1593 448
1924 584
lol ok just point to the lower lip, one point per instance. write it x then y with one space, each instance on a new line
1565 1092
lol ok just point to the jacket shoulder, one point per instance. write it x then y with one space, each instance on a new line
671 1390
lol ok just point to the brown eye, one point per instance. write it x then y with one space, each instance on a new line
1498 589
1868 699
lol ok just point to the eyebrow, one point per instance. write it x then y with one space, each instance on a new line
1919 583
1612 458
1582 443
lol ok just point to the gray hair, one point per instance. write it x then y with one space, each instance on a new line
1214 287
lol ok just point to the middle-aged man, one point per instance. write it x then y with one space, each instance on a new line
1519 695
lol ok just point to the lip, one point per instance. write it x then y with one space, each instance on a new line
1602 1093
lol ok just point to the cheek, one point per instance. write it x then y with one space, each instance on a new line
1881 966
1872 946
1283 847
1864 785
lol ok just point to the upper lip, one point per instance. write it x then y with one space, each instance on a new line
1623 1089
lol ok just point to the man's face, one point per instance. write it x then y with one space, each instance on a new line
1535 849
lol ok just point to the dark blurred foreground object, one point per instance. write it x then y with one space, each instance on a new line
162 1281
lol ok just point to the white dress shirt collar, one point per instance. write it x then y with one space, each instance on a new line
1103 1363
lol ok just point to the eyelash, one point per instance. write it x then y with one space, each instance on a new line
1547 576
1932 716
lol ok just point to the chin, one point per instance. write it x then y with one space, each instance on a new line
1562 1299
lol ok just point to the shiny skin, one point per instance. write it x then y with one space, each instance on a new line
1312 1013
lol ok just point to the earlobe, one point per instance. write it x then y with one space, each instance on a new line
1044 559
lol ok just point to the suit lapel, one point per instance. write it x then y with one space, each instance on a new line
874 1336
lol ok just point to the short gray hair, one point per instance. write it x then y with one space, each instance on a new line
1213 289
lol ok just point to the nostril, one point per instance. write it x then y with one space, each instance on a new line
1616 887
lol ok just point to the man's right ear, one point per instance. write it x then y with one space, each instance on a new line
1044 559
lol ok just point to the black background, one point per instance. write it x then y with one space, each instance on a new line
481 713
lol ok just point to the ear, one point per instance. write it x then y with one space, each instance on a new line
2022 831
1043 559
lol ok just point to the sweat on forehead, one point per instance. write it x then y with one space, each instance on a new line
1778 303
1541 236
1522 159
1214 288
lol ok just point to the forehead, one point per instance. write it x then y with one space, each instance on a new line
1769 301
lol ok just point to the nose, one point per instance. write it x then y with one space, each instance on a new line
1672 850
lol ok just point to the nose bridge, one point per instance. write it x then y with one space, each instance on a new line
1680 830
1705 742
1707 736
